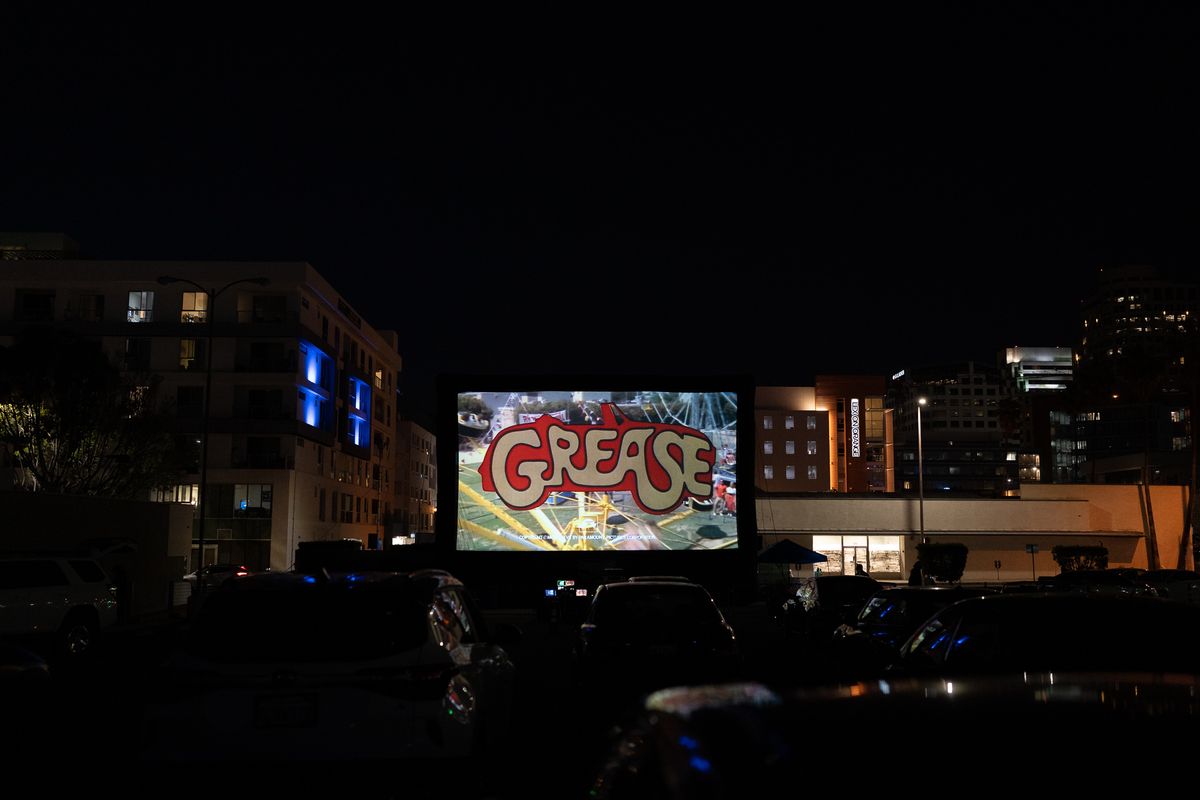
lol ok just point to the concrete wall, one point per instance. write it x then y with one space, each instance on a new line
160 532
1119 507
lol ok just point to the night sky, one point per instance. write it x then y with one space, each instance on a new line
781 196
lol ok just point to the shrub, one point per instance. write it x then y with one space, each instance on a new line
1076 557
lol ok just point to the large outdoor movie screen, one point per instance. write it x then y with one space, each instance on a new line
597 471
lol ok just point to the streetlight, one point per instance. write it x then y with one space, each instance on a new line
920 470
210 312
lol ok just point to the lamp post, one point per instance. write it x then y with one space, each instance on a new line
212 295
920 470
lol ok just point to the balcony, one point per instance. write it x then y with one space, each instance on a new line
286 363
243 460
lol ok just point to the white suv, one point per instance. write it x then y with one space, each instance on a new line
68 597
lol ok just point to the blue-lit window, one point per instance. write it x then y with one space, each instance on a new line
358 413
315 362
311 407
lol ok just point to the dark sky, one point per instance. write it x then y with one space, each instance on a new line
783 196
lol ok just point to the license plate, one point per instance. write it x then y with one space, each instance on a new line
285 711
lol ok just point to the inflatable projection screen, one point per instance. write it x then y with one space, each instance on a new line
596 471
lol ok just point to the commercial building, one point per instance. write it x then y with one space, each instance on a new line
968 436
1133 309
1035 385
302 413
1137 364
1007 539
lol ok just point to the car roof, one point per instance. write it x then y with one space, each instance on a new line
646 585
426 579
660 578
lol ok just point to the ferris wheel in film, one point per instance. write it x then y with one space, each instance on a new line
713 413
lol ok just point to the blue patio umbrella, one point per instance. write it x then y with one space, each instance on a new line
785 551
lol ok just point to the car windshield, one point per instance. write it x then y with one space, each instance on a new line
897 610
308 623
645 605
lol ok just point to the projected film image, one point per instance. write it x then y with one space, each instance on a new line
597 471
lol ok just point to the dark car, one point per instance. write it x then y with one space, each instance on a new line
647 634
749 740
354 667
1182 585
217 574
1121 581
888 618
824 602
1059 632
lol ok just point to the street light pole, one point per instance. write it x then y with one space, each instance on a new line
920 470
210 314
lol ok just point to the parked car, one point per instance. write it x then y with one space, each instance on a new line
748 740
216 574
667 578
1182 585
641 635
888 618
824 602
66 599
1056 632
358 666
1121 581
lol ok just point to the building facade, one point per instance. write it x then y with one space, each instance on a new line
417 496
835 436
302 413
1134 308
969 439
1036 384
1006 539
863 431
793 441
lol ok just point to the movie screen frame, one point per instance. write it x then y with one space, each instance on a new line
687 428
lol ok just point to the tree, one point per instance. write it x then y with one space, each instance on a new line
943 561
468 404
74 426
1073 558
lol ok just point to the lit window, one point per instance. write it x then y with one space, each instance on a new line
789 447
141 307
789 472
812 448
191 354
768 423
768 448
812 473
789 422
195 307
769 472
812 423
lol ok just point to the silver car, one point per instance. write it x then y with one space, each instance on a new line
65 597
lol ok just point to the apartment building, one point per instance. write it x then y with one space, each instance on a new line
302 418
